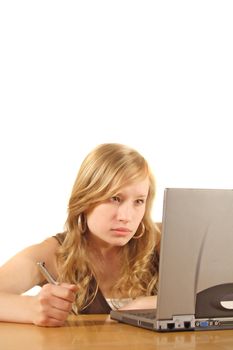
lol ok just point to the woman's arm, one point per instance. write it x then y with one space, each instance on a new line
149 302
53 303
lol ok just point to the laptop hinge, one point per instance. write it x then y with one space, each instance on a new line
178 322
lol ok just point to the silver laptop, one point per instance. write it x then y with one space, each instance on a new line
196 264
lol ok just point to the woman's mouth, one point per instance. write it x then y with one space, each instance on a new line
121 231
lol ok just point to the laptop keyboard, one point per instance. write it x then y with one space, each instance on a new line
150 315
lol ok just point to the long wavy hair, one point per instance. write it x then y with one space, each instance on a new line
107 169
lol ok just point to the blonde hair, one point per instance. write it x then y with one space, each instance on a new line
102 174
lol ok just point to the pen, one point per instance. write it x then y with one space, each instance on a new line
51 280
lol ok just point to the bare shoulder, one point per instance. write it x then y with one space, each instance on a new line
23 266
47 251
47 247
43 252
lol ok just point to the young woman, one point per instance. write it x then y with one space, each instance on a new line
107 257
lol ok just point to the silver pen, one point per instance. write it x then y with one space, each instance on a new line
51 280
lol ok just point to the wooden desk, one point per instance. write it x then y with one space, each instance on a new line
99 332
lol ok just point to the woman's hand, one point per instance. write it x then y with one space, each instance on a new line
53 304
149 302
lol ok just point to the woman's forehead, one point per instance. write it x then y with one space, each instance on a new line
139 188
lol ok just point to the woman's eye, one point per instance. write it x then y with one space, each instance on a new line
140 201
115 199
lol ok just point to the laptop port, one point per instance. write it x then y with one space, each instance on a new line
171 325
187 324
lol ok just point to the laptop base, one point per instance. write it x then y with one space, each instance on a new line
177 323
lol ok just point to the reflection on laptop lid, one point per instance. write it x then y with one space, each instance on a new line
196 264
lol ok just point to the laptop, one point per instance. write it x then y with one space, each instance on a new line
195 289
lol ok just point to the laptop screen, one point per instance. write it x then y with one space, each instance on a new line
196 262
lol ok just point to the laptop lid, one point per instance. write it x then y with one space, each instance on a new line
196 262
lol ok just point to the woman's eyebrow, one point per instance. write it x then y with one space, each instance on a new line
135 195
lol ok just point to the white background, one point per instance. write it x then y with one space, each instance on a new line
155 75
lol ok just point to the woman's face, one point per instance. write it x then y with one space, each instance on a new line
115 221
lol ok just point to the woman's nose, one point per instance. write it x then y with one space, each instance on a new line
124 212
